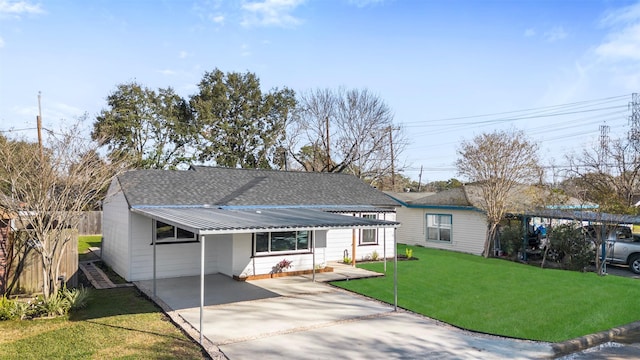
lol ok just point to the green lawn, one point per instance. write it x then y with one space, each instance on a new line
84 243
504 298
118 323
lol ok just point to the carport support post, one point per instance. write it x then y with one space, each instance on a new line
201 284
395 271
313 248
384 248
154 265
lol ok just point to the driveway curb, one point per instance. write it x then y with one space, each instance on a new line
591 340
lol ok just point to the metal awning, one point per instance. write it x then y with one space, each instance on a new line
207 220
592 216
210 220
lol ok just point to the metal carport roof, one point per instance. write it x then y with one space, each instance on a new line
203 220
206 220
585 216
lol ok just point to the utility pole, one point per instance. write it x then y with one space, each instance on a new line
39 125
328 146
393 177
420 179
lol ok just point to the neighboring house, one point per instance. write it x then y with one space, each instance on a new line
453 219
240 222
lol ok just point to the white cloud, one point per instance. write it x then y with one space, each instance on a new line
183 54
365 3
1 42
622 16
168 72
530 32
218 19
623 40
622 45
556 33
271 13
17 8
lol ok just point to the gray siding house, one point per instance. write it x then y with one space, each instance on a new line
454 220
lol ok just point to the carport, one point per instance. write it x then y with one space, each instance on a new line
580 215
207 220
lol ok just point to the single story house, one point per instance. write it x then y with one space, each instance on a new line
156 222
454 220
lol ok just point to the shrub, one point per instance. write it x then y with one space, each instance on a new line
281 265
346 260
569 242
6 308
375 256
511 239
55 305
21 310
77 298
409 253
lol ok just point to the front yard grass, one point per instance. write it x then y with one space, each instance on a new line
502 297
118 323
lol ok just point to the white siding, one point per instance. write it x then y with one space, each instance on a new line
246 265
115 231
340 240
172 260
468 229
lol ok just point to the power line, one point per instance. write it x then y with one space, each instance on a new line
538 109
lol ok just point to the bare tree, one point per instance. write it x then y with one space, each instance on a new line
497 162
608 175
47 188
345 131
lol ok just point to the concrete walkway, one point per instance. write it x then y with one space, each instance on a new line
294 317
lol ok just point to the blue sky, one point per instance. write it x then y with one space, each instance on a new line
440 65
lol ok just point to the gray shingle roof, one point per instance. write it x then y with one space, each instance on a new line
215 220
246 187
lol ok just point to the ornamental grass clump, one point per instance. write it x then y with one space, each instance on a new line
58 304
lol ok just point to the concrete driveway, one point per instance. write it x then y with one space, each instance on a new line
293 317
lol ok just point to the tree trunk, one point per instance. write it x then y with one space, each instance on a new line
491 235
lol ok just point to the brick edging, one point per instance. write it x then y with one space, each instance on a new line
591 340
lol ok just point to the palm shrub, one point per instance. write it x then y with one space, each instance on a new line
59 304
6 308
77 298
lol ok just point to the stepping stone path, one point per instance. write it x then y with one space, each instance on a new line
96 276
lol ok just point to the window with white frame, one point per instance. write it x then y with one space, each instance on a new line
281 241
439 227
169 234
369 236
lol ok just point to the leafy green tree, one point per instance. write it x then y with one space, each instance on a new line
152 130
444 185
238 124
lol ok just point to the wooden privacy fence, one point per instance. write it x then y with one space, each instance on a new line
31 278
90 223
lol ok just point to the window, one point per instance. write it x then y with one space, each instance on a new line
438 227
282 241
169 234
369 236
